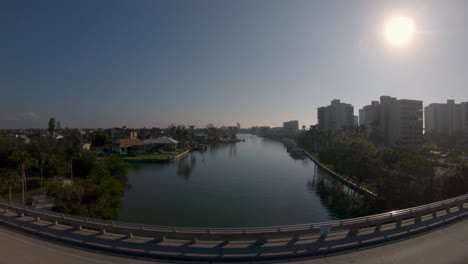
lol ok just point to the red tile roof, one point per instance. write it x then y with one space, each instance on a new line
128 142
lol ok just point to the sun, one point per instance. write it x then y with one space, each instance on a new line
399 30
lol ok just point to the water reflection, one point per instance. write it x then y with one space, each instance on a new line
232 151
186 166
231 148
251 183
341 201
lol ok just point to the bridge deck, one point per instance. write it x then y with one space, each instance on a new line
444 245
249 244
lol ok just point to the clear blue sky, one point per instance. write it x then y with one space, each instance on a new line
151 63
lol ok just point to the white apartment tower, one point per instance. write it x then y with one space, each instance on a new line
369 116
409 123
465 117
446 119
399 122
333 117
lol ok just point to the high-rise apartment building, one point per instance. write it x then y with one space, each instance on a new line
291 125
388 120
333 117
369 116
465 117
409 123
399 123
446 119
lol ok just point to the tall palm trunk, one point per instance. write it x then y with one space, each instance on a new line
9 192
41 181
23 183
71 169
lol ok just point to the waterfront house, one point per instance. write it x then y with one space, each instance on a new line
160 143
127 146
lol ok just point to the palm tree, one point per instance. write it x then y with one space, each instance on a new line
185 135
9 181
155 132
24 161
57 164
42 161
191 134
72 153
212 133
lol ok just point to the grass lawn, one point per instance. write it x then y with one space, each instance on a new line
181 150
158 156
155 156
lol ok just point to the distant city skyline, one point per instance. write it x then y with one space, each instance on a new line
102 64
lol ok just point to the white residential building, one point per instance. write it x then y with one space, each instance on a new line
333 117
369 116
399 122
291 125
446 119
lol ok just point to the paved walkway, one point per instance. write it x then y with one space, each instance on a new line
448 245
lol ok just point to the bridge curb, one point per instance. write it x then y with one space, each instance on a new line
316 240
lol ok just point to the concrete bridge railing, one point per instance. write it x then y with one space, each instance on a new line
233 244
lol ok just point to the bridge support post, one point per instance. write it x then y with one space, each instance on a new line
417 219
160 239
324 231
398 223
377 228
102 231
78 228
353 231
130 235
296 237
38 218
56 223
262 240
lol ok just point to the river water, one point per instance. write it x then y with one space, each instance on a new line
246 184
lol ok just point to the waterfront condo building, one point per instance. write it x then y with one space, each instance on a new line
291 125
465 117
335 116
369 117
446 119
394 123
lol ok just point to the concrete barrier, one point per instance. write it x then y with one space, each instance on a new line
233 244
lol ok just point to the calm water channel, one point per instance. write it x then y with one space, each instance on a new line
246 184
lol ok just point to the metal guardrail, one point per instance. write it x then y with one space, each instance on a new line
298 240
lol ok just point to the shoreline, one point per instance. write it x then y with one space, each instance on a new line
343 180
340 178
151 160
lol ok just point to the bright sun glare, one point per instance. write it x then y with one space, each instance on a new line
399 30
